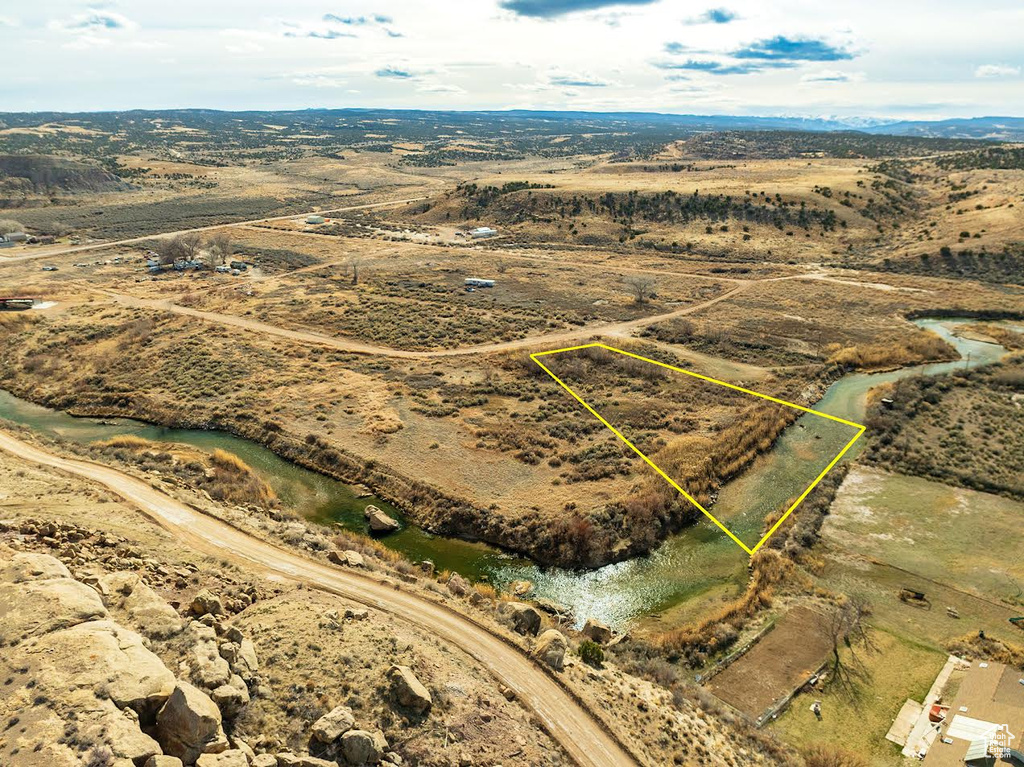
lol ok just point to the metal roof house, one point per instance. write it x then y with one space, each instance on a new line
985 721
482 231
314 219
476 282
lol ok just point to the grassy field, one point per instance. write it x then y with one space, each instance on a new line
954 536
858 720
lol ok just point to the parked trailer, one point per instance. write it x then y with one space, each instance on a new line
17 303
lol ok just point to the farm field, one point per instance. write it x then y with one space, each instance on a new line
895 669
779 663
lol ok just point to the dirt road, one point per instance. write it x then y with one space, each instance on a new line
582 736
560 338
113 243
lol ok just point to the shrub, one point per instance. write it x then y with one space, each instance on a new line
591 653
830 756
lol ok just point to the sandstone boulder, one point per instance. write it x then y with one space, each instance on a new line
232 697
597 631
333 724
245 664
119 665
348 558
209 669
146 609
207 603
36 606
232 758
25 566
522 618
189 724
264 760
408 691
550 649
379 521
458 585
161 760
362 747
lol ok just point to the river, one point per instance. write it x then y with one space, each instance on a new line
699 563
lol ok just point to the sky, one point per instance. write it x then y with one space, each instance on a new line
891 59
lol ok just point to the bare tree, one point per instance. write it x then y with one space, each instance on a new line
191 243
170 250
353 265
641 286
845 626
502 265
8 225
219 249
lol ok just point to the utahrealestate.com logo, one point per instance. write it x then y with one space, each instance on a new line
999 741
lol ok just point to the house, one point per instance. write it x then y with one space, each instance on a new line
476 282
482 231
984 723
5 243
239 266
314 219
16 237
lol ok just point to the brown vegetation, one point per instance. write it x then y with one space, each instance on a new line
922 347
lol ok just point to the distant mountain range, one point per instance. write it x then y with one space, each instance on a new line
991 128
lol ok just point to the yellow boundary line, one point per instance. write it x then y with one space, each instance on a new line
751 551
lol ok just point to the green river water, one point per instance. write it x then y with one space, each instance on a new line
688 564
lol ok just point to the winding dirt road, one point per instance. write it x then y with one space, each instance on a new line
562 338
584 738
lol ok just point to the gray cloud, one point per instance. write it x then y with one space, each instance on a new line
714 16
394 73
781 48
576 81
549 9
713 67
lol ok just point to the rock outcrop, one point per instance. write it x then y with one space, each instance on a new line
550 649
362 747
521 617
379 521
39 596
189 724
408 691
333 724
207 603
146 610
597 631
51 625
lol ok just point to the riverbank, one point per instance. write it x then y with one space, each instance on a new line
697 565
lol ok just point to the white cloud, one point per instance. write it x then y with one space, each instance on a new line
832 76
94 20
996 70
471 50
